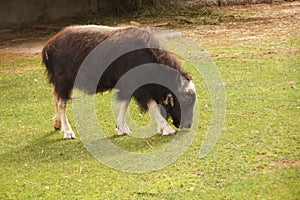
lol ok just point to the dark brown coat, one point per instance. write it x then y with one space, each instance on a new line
64 53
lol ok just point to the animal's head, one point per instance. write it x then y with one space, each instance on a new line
180 106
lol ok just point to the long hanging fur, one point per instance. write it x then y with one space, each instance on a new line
162 56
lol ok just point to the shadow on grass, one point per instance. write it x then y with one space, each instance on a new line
50 147
133 144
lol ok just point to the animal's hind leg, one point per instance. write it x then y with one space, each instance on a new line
60 119
56 118
65 126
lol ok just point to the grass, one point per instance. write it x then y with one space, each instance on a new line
257 156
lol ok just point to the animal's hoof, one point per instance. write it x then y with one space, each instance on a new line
123 133
56 123
69 136
123 129
120 132
168 130
169 133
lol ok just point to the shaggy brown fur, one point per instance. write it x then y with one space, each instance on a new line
64 53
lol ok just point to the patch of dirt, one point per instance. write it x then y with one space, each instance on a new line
278 164
248 24
10 63
24 70
23 47
282 163
9 59
286 163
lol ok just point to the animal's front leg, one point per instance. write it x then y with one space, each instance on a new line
65 126
162 125
121 127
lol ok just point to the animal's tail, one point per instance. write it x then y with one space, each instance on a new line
48 54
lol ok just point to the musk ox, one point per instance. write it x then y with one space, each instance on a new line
65 52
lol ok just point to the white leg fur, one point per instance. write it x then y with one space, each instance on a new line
121 127
60 119
162 125
65 126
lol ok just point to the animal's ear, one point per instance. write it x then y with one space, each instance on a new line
169 100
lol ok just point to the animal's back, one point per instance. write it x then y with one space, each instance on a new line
72 45
64 52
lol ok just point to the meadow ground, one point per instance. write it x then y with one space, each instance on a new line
256 50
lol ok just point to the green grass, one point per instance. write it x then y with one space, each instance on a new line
256 157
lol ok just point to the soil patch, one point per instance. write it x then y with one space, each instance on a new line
250 24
